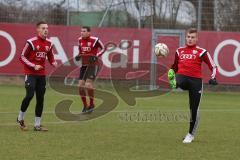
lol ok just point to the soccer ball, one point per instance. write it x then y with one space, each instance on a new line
161 50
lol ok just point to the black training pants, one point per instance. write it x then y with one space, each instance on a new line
194 87
37 84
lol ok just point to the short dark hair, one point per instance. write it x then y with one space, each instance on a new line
192 30
87 28
40 22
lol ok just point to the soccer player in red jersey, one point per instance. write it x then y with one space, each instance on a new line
90 49
33 57
187 65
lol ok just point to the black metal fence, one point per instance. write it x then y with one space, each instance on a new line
212 15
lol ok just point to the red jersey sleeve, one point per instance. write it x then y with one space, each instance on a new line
175 64
79 47
100 45
50 56
25 54
211 65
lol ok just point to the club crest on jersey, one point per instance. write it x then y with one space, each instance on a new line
89 44
38 47
194 51
47 48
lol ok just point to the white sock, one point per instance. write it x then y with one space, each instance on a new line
37 121
21 115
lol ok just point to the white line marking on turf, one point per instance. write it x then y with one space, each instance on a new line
51 122
121 111
132 110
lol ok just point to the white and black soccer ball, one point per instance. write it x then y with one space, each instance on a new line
161 50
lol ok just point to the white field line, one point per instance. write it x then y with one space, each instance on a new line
122 111
49 122
132 110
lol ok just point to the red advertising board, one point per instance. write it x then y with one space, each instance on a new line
134 44
128 42
224 48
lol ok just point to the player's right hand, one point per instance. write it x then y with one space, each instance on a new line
38 67
77 58
213 81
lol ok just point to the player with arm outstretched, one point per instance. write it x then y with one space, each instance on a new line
90 49
187 65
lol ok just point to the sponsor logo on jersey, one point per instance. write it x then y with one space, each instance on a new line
187 56
41 54
86 49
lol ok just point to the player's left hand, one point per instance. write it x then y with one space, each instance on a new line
92 59
213 81
54 64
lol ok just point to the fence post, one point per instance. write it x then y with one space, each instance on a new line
199 15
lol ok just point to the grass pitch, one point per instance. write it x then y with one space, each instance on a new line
119 135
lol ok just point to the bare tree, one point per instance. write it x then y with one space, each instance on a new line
216 14
207 15
25 12
227 15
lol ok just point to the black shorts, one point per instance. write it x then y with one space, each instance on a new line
88 72
188 83
35 82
